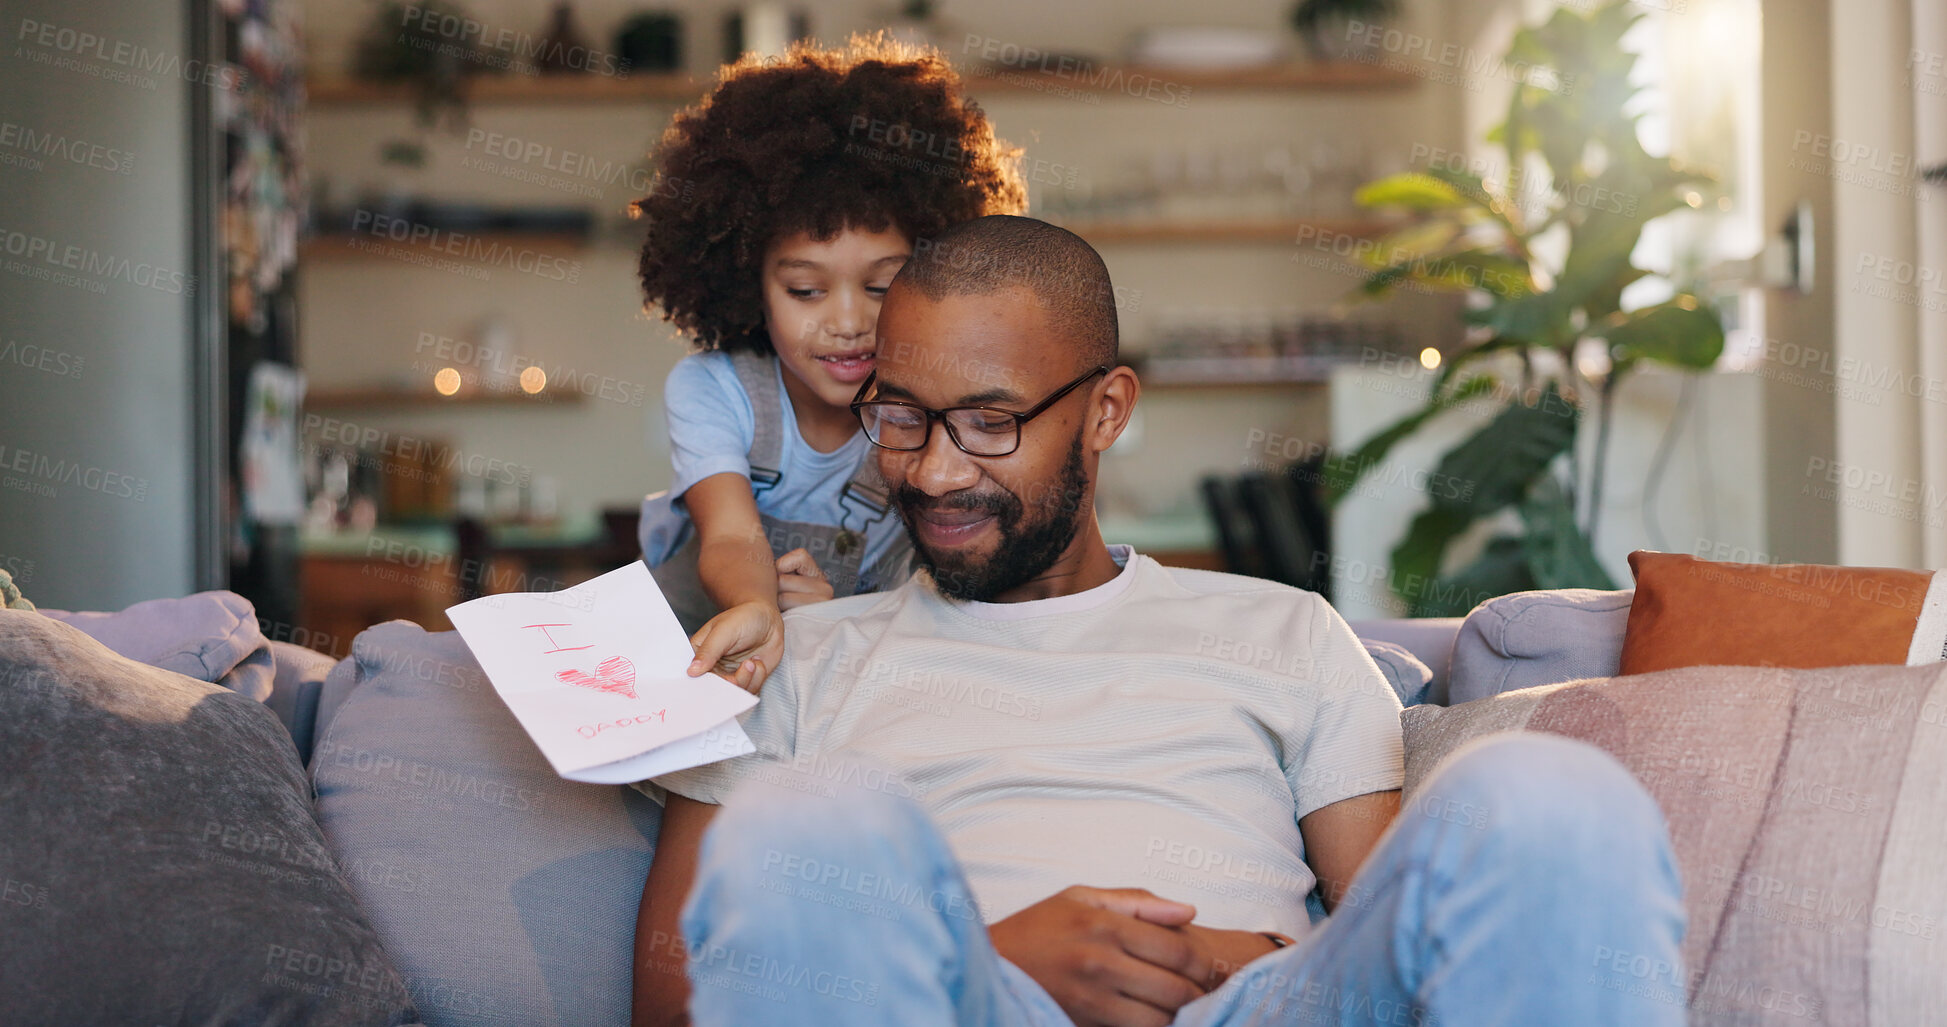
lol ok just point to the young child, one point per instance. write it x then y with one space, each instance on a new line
784 204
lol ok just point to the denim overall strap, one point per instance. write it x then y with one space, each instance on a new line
758 374
838 549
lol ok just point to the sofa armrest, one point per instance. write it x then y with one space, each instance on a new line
209 636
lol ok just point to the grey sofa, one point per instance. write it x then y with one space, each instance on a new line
506 895
542 933
1805 810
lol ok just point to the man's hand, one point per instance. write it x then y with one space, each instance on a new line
742 643
799 581
1227 951
1114 957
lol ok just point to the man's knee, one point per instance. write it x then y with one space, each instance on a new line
1533 782
807 834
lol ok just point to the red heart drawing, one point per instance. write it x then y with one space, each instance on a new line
615 674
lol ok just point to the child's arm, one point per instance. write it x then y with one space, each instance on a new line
738 573
661 987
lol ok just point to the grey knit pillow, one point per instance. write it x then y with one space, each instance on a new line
158 859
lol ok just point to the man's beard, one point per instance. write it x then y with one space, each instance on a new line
1025 550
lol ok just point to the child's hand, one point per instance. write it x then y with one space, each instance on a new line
742 643
799 581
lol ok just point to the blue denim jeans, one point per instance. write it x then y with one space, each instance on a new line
1551 899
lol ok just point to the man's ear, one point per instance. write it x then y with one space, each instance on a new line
1115 403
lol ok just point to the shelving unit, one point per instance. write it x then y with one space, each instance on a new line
1317 77
339 245
1268 230
511 89
1096 80
394 397
1197 418
1227 384
1239 372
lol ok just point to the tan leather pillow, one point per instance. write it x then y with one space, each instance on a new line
1690 613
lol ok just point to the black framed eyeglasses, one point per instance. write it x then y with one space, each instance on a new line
978 431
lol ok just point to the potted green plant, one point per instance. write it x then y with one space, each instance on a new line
403 42
1325 25
1575 168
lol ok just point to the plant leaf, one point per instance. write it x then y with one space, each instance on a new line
1464 271
1599 250
1343 472
1531 319
1501 568
1412 243
1681 333
1450 370
1417 557
1411 190
1470 186
1558 553
1492 469
1496 466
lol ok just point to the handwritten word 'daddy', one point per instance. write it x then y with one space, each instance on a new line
591 730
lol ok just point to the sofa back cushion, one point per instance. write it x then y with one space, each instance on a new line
505 894
159 858
1690 612
1808 812
1536 638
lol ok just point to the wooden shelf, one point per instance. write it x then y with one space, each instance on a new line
339 246
381 396
1097 80
1262 230
1113 80
480 247
515 89
1238 372
1229 385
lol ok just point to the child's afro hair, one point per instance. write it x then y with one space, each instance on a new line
870 136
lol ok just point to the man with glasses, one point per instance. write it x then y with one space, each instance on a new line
902 426
1028 787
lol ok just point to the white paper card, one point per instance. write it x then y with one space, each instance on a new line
718 743
597 675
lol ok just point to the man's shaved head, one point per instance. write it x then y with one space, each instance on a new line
999 252
1010 314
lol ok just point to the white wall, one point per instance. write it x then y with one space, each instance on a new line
1801 395
1930 150
1877 292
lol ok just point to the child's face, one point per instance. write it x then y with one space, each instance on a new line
821 301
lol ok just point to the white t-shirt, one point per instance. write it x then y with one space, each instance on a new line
1165 730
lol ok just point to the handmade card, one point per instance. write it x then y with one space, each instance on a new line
597 675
